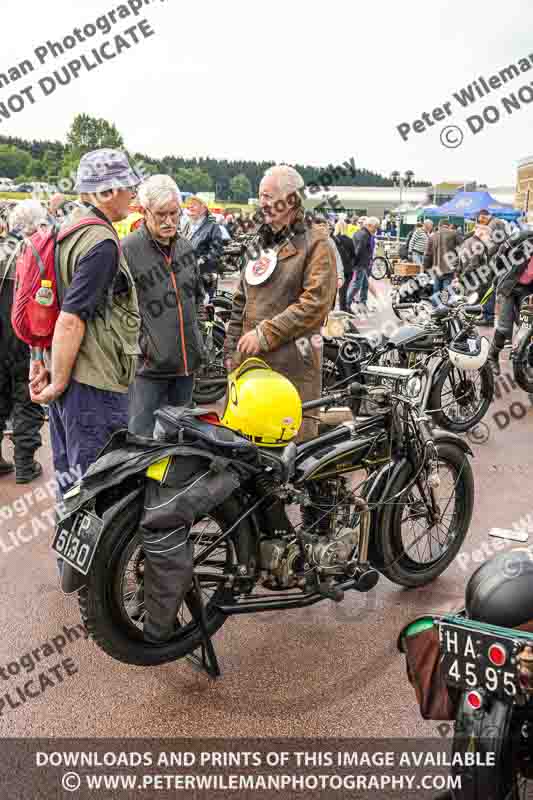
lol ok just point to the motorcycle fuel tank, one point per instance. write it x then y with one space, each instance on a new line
414 337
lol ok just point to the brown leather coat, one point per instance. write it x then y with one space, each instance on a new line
289 309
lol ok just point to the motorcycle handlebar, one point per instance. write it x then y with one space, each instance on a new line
354 390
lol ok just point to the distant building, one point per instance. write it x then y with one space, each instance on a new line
368 200
380 200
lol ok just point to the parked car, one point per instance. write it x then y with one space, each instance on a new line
25 188
7 185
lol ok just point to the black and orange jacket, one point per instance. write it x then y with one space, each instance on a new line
170 293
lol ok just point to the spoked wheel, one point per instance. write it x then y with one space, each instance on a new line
379 268
462 397
421 532
523 363
214 369
112 603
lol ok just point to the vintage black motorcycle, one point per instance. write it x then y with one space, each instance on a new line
482 677
308 522
456 398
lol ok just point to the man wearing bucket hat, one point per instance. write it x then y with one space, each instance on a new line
86 375
206 239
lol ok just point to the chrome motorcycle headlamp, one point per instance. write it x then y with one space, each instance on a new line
413 387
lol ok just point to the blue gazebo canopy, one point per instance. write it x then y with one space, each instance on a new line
469 204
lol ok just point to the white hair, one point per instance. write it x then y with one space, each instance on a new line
27 215
372 221
158 190
289 180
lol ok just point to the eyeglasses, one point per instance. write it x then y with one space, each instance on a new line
161 216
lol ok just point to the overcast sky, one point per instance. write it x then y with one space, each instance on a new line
309 82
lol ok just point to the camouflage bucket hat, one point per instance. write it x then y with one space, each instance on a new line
103 170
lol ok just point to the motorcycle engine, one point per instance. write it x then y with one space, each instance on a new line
328 540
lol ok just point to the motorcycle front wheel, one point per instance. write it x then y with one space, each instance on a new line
416 541
461 399
109 604
523 363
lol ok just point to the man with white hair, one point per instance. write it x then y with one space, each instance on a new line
170 292
278 311
363 242
15 400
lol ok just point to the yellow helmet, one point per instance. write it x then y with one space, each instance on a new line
262 405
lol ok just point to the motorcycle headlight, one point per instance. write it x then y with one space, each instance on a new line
413 387
335 328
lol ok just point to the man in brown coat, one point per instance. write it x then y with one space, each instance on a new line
286 293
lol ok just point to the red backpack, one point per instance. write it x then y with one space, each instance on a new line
39 261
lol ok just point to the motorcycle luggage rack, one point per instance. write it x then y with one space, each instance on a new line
207 660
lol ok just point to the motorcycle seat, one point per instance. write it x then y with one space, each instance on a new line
499 591
181 424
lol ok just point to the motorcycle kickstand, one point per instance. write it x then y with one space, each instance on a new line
207 662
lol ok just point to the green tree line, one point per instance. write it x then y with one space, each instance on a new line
24 160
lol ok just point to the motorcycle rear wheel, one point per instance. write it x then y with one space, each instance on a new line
103 601
486 731
380 268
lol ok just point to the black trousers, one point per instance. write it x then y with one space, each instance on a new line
342 293
15 400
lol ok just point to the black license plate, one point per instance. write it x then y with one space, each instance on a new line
77 538
466 662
